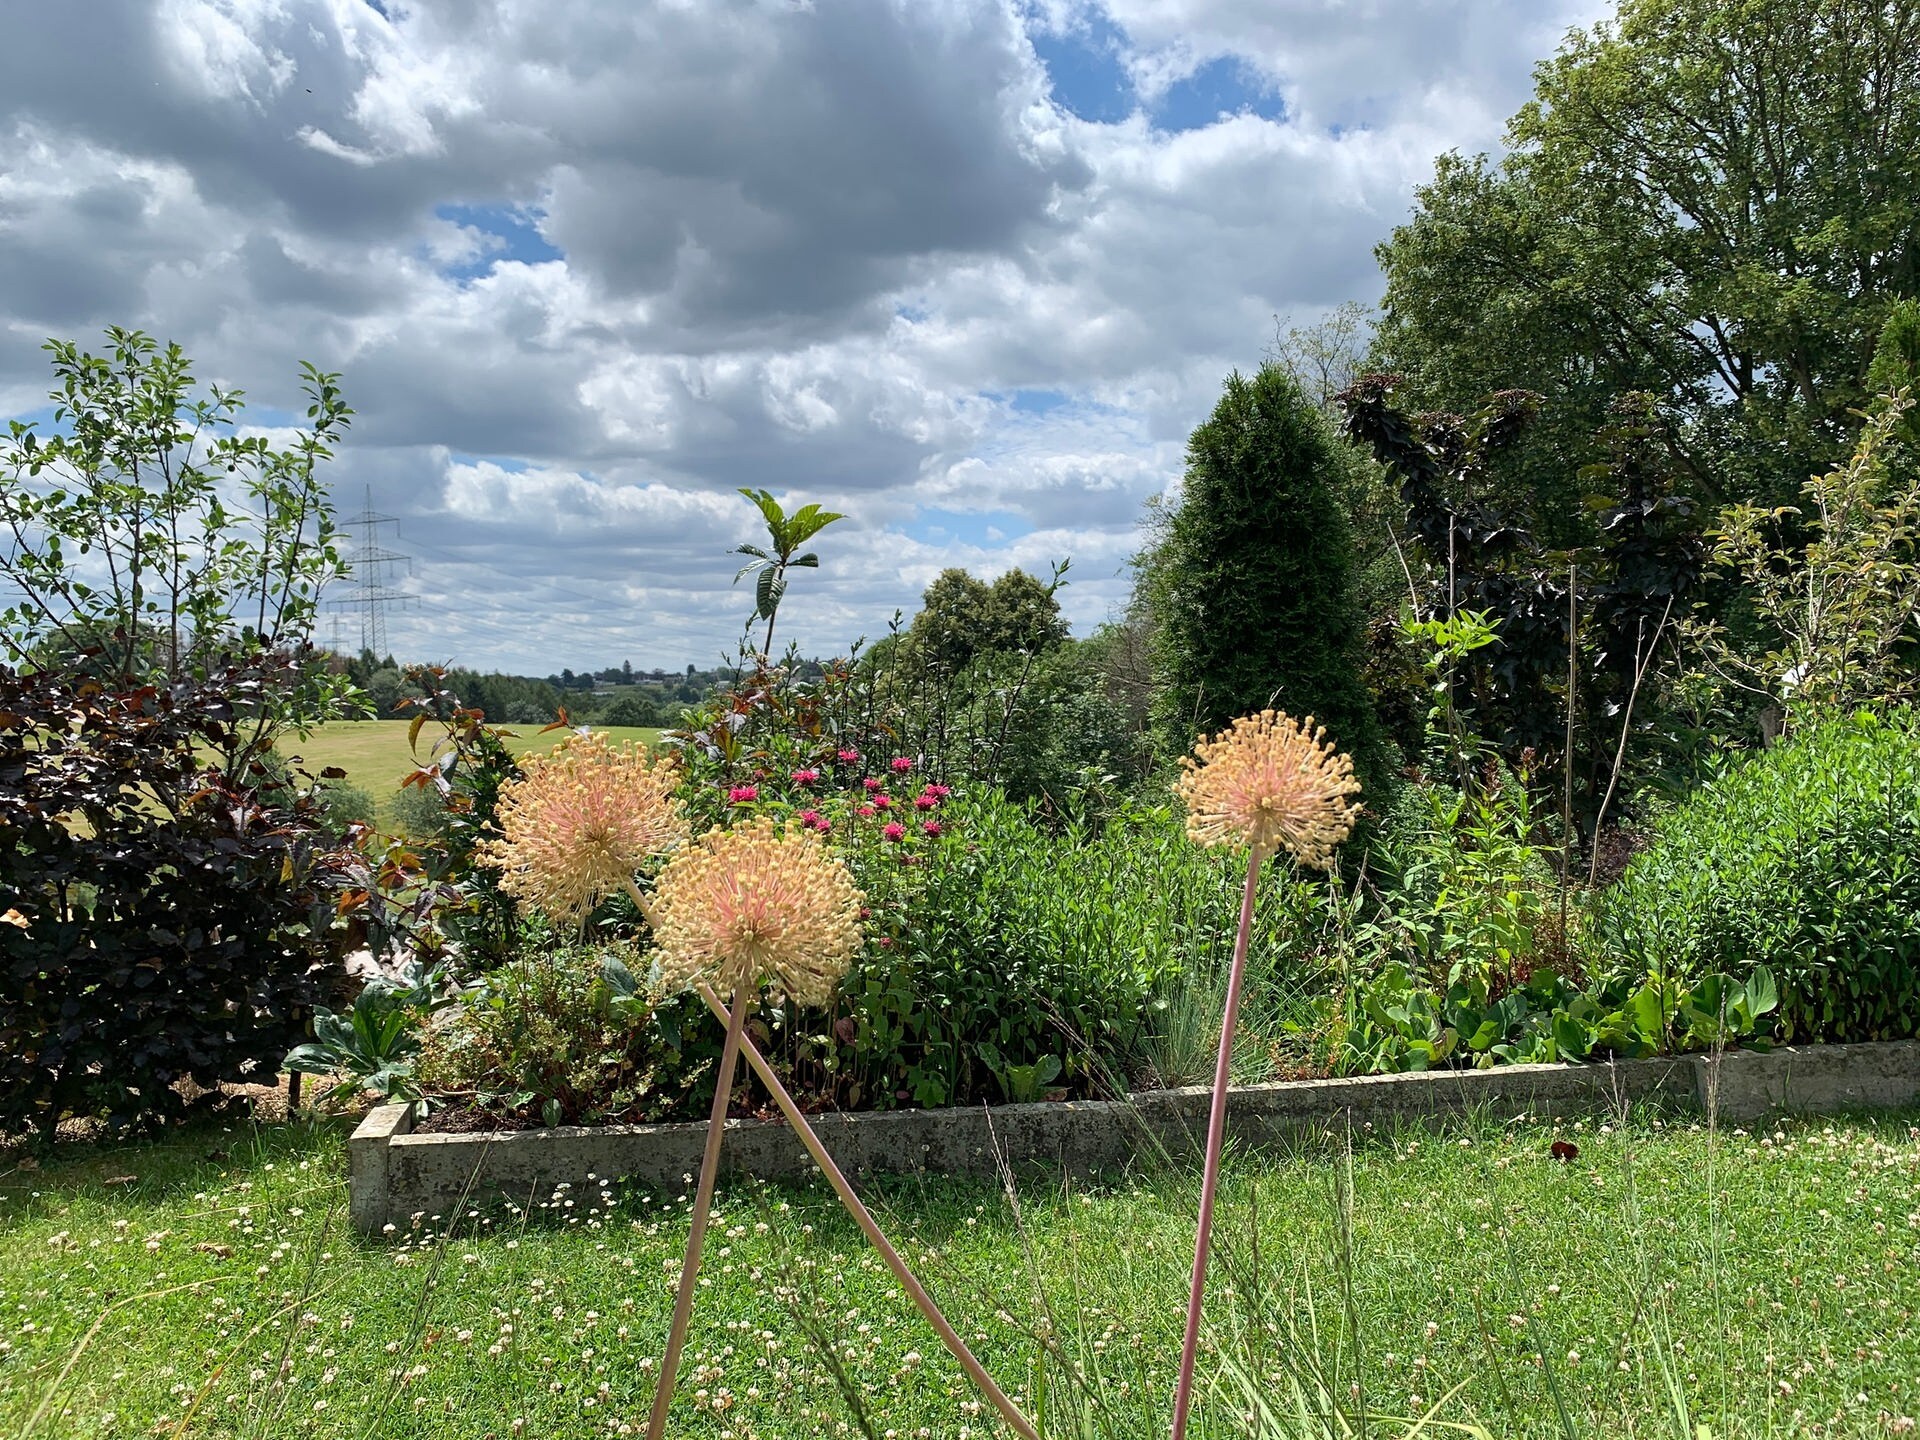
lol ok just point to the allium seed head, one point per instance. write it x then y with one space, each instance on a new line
580 821
1270 782
757 906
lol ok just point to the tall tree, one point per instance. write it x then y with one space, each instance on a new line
962 617
1249 579
1709 200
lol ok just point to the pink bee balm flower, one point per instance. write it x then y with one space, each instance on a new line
884 802
894 830
806 777
925 802
743 794
901 764
872 784
933 829
938 792
814 820
866 812
849 757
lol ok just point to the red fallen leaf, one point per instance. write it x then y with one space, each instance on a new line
844 1030
1565 1150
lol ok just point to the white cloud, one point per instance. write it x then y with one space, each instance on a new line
589 267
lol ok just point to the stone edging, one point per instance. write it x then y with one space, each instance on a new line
398 1176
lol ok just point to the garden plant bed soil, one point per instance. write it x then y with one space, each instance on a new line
400 1172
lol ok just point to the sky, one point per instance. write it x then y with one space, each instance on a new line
968 271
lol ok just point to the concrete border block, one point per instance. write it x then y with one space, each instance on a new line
367 1151
1743 1085
399 1175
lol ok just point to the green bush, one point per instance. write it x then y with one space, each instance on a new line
1806 859
1030 952
570 1038
344 804
420 812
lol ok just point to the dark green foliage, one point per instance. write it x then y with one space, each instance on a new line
634 710
174 921
1896 367
1709 200
1474 553
1250 581
1068 734
1806 859
419 812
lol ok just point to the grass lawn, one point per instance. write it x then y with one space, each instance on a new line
213 1277
375 755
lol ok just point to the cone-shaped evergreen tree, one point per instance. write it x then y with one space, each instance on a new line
1250 580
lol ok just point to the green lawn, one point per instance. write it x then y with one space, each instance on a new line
375 755
1775 1270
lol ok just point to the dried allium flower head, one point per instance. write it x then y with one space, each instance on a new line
754 905
1270 782
581 820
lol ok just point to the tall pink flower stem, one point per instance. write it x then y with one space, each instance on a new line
862 1217
1216 1143
702 1207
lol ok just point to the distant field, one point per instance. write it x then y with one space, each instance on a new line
375 756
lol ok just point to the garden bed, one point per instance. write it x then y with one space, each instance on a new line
398 1174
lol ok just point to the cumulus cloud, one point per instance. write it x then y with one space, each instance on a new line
968 270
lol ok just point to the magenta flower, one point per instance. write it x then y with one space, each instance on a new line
894 830
938 792
849 757
871 784
806 777
743 795
814 820
933 829
925 802
866 812
901 764
884 802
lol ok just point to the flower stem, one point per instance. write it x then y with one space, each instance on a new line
862 1217
1216 1142
702 1205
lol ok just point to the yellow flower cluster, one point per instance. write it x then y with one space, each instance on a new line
580 821
752 906
1269 781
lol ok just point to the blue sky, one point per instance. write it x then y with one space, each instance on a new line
966 270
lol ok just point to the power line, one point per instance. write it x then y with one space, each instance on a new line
372 566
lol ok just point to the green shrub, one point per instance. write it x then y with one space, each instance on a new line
344 804
1027 948
631 710
1806 859
570 1037
420 812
